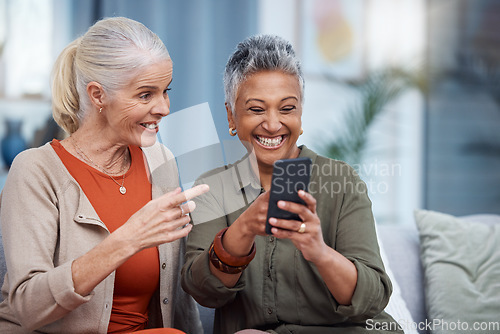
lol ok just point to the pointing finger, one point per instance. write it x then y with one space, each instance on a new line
174 198
195 191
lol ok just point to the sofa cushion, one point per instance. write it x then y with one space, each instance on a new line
461 261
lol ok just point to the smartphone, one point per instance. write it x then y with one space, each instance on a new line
289 176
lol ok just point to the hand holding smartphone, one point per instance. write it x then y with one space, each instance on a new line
289 176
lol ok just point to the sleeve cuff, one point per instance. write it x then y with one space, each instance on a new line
62 288
208 289
370 296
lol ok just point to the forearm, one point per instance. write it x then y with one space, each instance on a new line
93 267
229 280
339 274
237 242
205 287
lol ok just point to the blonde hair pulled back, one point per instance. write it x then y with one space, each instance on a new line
110 53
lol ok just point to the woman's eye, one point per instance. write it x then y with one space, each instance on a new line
167 90
145 96
257 110
288 108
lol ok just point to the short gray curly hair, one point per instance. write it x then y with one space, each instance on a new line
258 53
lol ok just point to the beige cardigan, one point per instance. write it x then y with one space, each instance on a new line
47 222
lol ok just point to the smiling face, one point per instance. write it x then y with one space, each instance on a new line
133 113
267 116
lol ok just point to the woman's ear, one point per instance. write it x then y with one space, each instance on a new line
96 94
230 118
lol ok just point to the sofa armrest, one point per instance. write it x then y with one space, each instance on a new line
402 248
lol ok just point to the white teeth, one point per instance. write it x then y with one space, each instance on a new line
271 142
150 125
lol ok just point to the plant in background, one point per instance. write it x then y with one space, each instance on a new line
374 93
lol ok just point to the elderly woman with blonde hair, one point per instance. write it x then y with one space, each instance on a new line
94 225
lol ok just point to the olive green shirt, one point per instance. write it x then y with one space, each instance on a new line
280 291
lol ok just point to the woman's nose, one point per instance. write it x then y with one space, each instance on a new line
272 123
162 107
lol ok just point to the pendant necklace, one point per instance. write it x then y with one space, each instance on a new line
122 188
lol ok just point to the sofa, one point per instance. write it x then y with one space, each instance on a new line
401 252
446 271
401 247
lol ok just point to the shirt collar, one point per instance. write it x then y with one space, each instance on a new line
243 175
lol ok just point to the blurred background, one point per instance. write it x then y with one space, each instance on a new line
406 91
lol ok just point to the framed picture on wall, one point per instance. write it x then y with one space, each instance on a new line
332 38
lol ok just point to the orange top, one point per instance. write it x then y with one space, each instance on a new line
161 331
137 278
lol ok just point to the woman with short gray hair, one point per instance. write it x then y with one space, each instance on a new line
94 225
260 53
318 273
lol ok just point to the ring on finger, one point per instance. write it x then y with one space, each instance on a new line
182 211
302 228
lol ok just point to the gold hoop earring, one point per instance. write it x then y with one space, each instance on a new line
301 132
232 132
